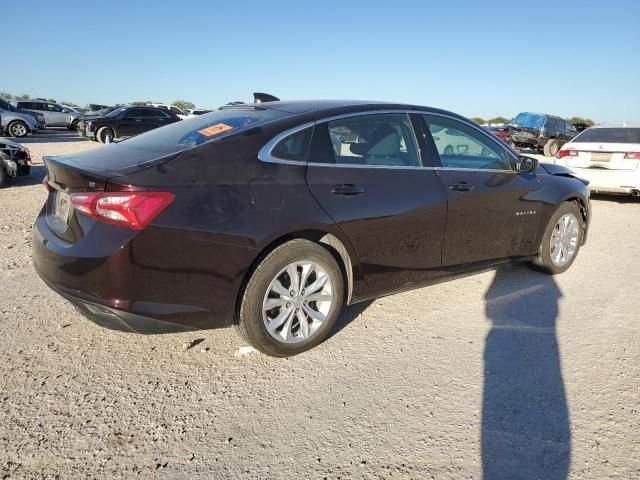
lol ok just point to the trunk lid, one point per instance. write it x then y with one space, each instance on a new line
603 156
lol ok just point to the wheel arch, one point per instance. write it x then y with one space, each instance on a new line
334 245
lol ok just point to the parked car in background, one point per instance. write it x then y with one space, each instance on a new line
196 111
82 121
94 107
16 124
39 117
124 122
55 115
172 108
79 110
15 160
580 127
272 217
606 155
540 132
503 133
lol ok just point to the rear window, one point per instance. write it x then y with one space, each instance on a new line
609 135
198 130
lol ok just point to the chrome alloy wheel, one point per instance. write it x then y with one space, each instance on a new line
564 240
18 130
297 302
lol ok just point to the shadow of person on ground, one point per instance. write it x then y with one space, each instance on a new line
525 418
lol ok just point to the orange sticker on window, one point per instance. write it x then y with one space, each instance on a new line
215 129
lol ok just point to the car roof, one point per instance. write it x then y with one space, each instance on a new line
617 125
333 107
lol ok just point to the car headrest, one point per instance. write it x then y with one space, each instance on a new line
386 142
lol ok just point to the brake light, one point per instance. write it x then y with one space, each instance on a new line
567 153
128 209
632 156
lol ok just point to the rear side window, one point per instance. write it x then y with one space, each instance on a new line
134 113
610 135
198 130
294 147
377 140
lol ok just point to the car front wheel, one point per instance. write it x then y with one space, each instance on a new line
551 148
561 241
105 135
292 299
18 128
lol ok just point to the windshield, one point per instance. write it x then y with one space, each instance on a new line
198 130
529 120
116 112
609 135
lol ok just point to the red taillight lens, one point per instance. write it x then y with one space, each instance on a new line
45 182
632 156
128 209
567 153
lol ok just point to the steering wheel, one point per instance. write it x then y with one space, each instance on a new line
448 150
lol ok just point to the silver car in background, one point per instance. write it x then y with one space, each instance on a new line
17 124
39 117
55 115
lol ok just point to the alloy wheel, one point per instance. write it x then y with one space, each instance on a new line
297 302
18 130
564 240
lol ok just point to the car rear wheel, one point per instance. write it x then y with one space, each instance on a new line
18 128
551 148
561 241
292 299
105 135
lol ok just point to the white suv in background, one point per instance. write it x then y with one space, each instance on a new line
178 111
606 155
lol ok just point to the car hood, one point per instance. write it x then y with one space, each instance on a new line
560 171
11 143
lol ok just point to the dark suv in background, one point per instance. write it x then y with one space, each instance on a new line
126 122
540 132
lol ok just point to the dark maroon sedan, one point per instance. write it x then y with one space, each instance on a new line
273 216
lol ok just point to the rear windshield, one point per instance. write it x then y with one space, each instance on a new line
198 130
529 120
609 135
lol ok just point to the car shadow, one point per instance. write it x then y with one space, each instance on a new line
615 198
36 176
348 315
52 136
525 418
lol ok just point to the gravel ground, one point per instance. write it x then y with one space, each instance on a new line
514 374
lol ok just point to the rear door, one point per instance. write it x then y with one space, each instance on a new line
149 119
57 116
366 172
493 210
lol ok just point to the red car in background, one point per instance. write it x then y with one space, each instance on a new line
503 133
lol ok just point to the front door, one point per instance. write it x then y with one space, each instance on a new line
366 172
493 210
130 123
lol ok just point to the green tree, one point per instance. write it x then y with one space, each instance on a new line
478 120
6 95
499 120
139 103
586 121
182 104
24 96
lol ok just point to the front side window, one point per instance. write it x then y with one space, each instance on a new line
147 113
52 107
134 113
378 140
462 146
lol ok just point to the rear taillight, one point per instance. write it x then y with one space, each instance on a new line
632 156
45 182
128 209
567 153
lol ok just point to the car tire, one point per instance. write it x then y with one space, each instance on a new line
3 177
18 129
105 135
557 233
74 125
290 335
551 148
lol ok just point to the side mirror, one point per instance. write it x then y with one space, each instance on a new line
527 164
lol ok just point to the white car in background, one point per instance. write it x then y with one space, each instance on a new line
606 155
178 111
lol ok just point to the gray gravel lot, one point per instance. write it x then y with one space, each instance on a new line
514 374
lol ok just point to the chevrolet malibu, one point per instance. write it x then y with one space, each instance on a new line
271 217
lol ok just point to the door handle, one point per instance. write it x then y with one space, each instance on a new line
347 190
461 187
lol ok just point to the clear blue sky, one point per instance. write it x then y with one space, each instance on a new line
473 57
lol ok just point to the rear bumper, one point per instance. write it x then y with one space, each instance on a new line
111 282
624 182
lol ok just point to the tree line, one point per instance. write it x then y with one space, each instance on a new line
181 104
